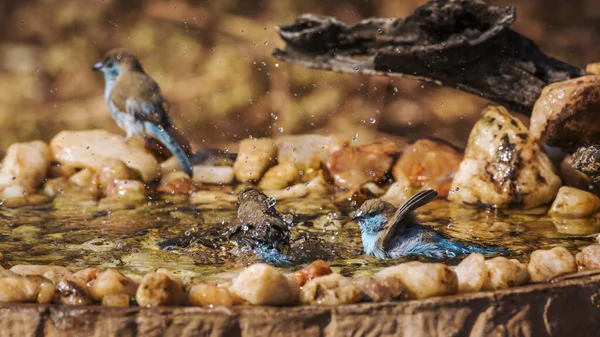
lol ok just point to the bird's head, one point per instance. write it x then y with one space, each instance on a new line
116 62
373 215
253 199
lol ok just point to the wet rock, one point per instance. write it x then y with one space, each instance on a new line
565 115
471 273
593 68
160 288
110 170
122 194
504 166
379 290
332 289
307 152
254 157
112 282
572 177
546 264
208 197
90 149
279 176
74 289
213 174
587 161
423 280
52 273
573 202
589 257
292 192
399 192
204 294
261 284
428 163
503 273
116 300
315 269
84 178
352 167
25 165
25 289
176 183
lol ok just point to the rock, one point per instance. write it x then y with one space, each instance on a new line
503 273
587 161
122 194
428 163
213 174
593 68
279 176
116 300
90 149
573 202
307 152
52 273
547 264
292 192
84 178
204 294
572 177
25 165
399 192
352 167
471 273
112 282
25 289
110 170
255 156
315 269
261 284
423 280
74 289
332 289
160 288
372 290
503 166
208 197
589 257
177 183
565 115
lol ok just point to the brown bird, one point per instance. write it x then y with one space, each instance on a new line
137 105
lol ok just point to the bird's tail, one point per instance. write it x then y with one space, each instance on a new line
271 255
465 249
165 136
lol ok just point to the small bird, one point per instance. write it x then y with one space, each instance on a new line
137 105
388 232
259 227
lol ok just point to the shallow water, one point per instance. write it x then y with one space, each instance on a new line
190 238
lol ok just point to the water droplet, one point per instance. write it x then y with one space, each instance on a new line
274 116
372 120
280 129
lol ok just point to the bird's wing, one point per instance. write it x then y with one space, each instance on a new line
395 222
139 95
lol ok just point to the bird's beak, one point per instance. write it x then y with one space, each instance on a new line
98 66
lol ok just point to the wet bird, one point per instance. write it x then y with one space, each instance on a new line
388 232
260 228
137 105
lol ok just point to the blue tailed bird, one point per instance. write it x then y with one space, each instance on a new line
260 228
136 104
388 232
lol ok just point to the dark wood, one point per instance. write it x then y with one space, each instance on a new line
566 307
463 44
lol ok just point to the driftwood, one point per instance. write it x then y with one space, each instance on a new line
463 44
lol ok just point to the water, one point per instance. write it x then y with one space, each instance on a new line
190 238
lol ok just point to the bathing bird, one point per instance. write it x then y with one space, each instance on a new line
388 232
137 105
259 227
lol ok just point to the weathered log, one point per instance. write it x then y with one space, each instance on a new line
463 44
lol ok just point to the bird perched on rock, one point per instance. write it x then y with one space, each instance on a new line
259 227
137 105
388 232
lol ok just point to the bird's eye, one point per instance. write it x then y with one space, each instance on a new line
109 65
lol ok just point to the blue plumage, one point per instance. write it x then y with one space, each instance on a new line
388 232
163 136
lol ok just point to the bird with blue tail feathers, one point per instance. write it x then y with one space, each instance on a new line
260 228
390 233
137 105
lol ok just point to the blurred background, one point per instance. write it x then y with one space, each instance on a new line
212 60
